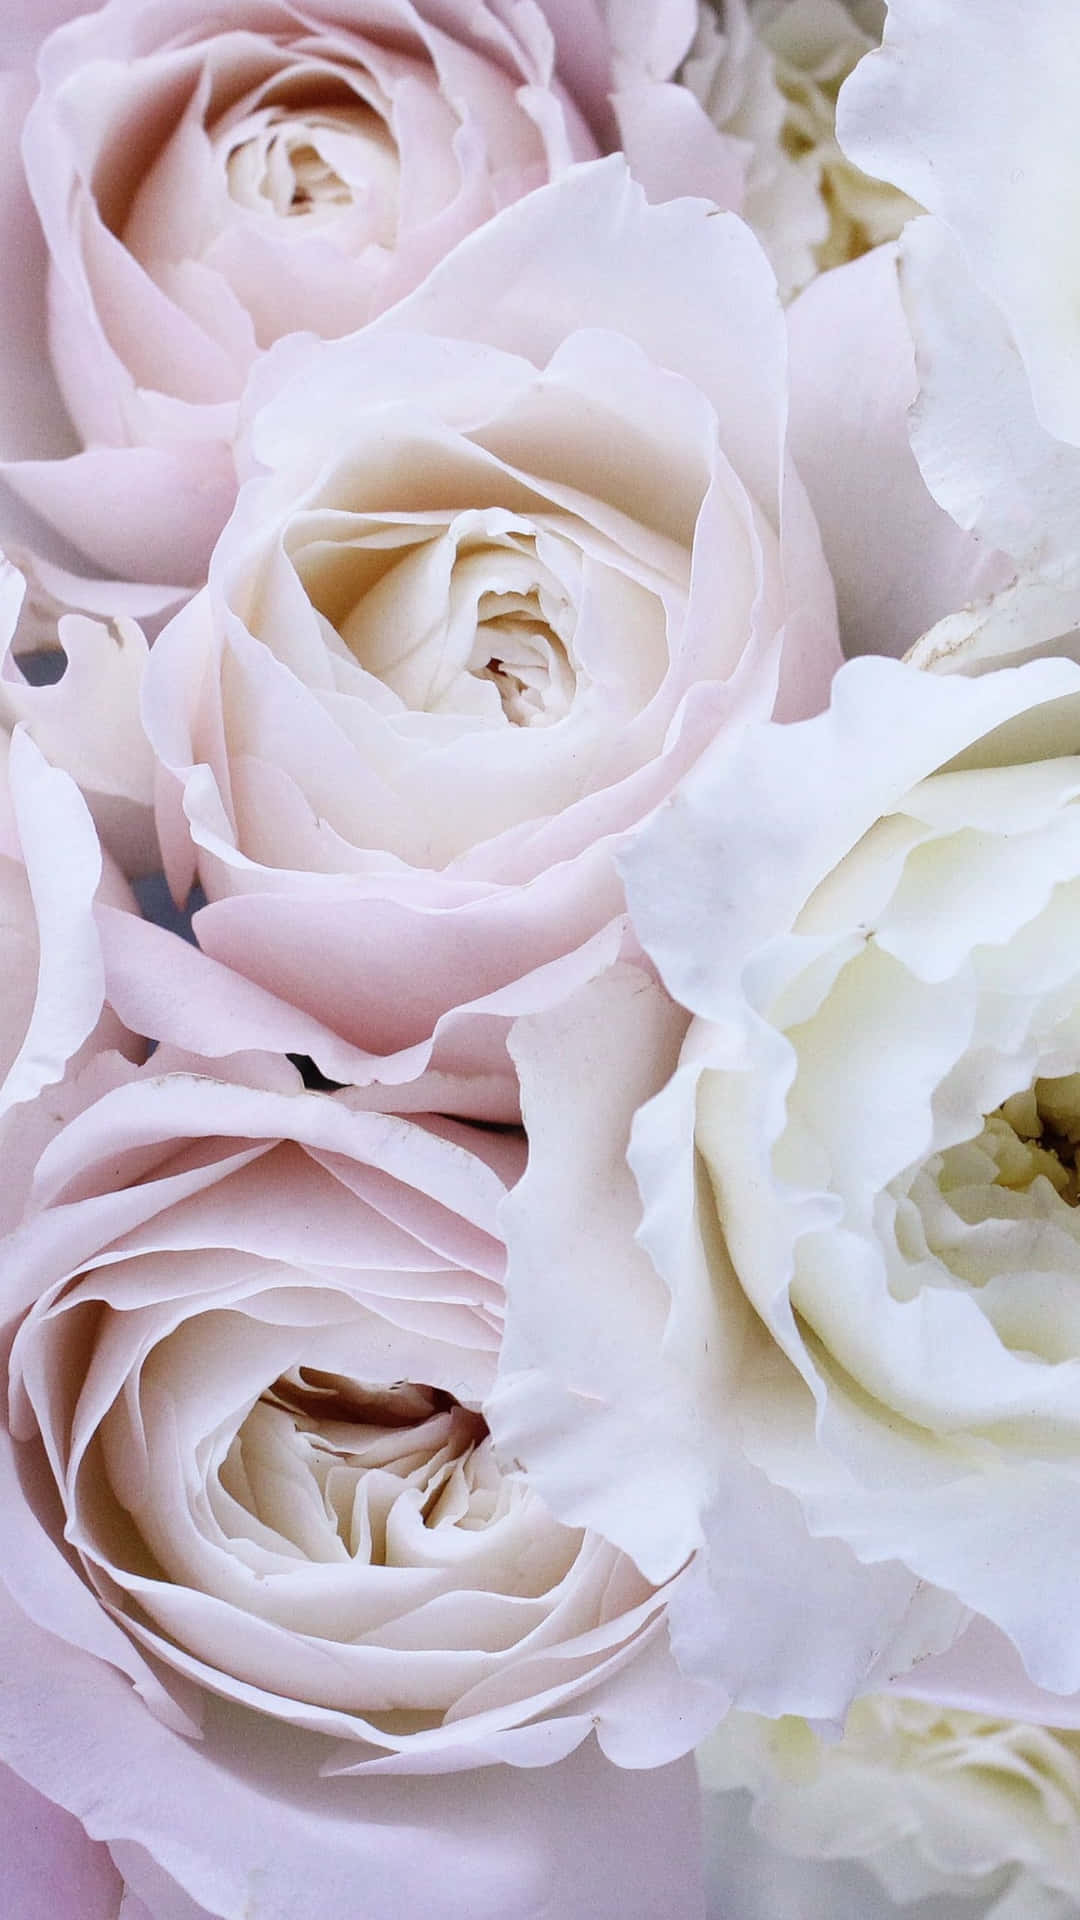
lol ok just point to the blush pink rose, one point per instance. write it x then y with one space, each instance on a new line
196 181
506 562
252 1505
202 179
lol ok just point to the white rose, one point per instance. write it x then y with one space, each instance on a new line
768 73
935 1800
875 916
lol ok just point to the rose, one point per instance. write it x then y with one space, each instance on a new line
255 1329
438 674
293 167
880 1082
991 292
933 1798
768 73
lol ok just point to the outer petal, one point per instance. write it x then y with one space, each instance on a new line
585 1399
941 89
900 563
886 727
63 863
982 1672
673 147
576 1842
52 1869
147 513
988 459
32 414
649 38
87 722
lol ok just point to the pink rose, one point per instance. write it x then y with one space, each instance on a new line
203 179
507 561
255 1521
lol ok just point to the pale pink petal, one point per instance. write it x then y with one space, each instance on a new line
87 723
63 864
886 727
32 415
983 1673
986 456
650 38
900 563
673 148
52 1869
578 1840
149 1894
935 93
150 513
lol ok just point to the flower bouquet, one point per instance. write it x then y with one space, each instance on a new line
540 1061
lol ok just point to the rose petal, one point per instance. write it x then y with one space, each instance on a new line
853 379
51 1866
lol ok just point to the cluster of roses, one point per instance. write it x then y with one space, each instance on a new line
578 1232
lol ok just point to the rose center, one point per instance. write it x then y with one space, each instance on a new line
1032 1135
484 607
526 662
313 166
322 1454
1000 1212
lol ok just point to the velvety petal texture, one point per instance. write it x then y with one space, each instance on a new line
442 671
199 182
881 1085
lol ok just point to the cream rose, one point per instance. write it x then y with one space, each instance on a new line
249 1470
506 561
620 1384
768 73
872 916
934 1799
